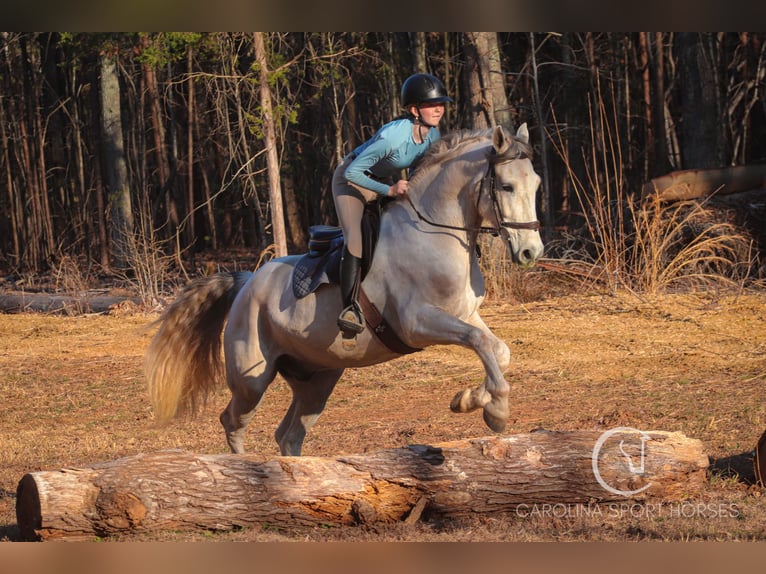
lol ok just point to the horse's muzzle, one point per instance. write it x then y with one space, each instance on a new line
525 248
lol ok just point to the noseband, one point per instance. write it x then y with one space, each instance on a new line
488 179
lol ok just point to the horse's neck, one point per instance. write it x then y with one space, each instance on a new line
441 221
448 197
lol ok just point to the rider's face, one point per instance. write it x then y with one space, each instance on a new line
430 113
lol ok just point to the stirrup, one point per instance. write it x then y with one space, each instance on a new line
351 321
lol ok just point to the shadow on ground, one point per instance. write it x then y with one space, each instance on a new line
739 466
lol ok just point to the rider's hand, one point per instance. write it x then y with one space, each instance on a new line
399 188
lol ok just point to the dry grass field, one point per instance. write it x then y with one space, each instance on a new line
72 394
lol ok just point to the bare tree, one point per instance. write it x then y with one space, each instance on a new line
114 159
272 160
699 95
489 100
420 62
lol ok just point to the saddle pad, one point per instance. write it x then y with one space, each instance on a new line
310 272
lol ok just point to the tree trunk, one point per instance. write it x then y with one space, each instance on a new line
661 162
701 118
419 59
272 160
480 105
114 155
191 228
547 204
293 217
495 78
158 132
646 73
183 491
39 144
15 205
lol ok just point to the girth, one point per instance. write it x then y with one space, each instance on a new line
378 324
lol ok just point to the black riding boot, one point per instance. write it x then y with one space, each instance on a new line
350 320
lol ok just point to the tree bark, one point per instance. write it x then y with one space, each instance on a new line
15 205
661 161
489 53
481 110
547 203
489 103
419 59
158 131
293 217
117 171
191 228
646 72
272 160
183 491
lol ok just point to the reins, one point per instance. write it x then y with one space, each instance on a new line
446 226
490 176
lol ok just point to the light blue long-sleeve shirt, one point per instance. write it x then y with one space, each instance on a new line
387 153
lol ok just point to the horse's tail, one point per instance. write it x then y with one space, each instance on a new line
183 362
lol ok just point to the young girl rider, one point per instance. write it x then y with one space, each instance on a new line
374 169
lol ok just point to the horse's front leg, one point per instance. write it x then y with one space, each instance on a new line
434 326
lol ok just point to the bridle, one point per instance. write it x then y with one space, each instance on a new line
487 181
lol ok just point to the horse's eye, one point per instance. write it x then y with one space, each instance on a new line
508 187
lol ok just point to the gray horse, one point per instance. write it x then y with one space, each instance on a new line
424 279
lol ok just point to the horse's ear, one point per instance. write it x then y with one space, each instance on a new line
523 133
499 140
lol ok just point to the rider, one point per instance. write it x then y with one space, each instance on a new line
373 169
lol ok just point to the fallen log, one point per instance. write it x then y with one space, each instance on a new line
51 303
176 490
695 183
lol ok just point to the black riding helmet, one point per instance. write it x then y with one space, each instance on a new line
423 88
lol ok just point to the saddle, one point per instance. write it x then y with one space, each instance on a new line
321 265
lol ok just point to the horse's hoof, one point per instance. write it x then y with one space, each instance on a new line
495 423
236 445
469 400
461 402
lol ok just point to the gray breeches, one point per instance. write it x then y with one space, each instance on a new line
349 206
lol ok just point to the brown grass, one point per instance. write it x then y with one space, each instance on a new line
642 244
72 394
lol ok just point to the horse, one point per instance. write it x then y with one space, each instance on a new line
424 278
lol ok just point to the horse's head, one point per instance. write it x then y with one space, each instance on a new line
501 195
513 186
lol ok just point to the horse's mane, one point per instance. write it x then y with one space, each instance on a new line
446 147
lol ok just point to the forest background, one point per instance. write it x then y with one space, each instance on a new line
132 154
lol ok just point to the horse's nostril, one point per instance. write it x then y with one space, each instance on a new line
527 255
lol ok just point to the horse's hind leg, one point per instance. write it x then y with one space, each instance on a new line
248 375
310 395
240 410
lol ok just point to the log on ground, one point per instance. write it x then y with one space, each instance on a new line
176 490
696 183
51 303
